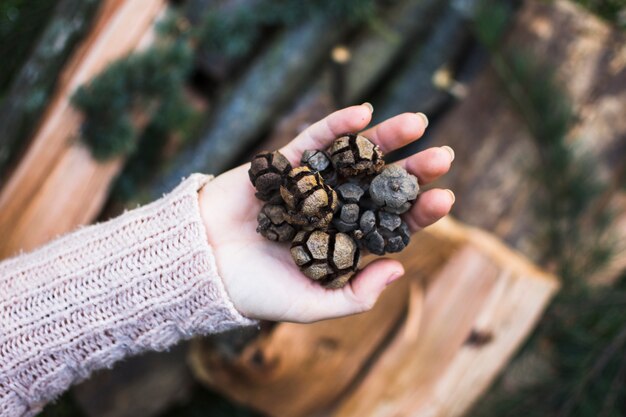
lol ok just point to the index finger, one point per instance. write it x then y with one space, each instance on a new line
322 133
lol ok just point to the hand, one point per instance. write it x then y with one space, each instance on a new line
260 276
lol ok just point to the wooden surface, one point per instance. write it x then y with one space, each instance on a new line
491 173
407 355
269 373
57 185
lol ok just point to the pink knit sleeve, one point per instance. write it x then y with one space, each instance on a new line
142 281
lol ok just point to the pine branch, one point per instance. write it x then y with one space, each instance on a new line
599 365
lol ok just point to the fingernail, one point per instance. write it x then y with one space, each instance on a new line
424 118
452 195
369 106
450 150
393 277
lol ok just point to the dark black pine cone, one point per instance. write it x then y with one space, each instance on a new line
394 189
311 203
266 172
330 258
382 232
319 161
347 218
273 223
355 155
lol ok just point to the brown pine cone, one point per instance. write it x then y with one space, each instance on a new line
311 203
347 218
319 161
382 232
266 174
330 258
394 189
355 155
273 223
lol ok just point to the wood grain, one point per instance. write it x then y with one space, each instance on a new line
405 357
57 186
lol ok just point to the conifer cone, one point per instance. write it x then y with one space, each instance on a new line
311 203
382 232
330 258
394 189
347 217
354 155
319 161
273 223
266 173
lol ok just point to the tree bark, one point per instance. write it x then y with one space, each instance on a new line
255 100
25 101
373 55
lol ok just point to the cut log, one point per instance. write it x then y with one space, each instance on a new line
375 54
57 185
372 56
255 100
399 358
271 369
216 64
469 330
26 98
490 175
412 89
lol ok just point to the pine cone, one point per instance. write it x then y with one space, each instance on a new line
382 232
347 218
273 223
311 203
266 174
354 155
394 189
319 161
330 258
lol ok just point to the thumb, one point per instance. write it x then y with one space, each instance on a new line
363 291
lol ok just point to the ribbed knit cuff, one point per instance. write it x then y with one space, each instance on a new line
142 281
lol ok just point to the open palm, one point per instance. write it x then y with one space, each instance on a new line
260 276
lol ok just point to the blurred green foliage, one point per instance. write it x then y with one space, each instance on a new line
21 24
64 406
204 403
144 85
150 84
36 40
607 9
147 82
235 32
583 339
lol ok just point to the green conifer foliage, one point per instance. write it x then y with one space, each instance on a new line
236 31
148 85
139 85
21 23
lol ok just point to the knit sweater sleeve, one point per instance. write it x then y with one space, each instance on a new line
142 281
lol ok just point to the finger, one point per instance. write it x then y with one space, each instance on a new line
362 292
321 134
359 295
429 164
397 131
429 207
